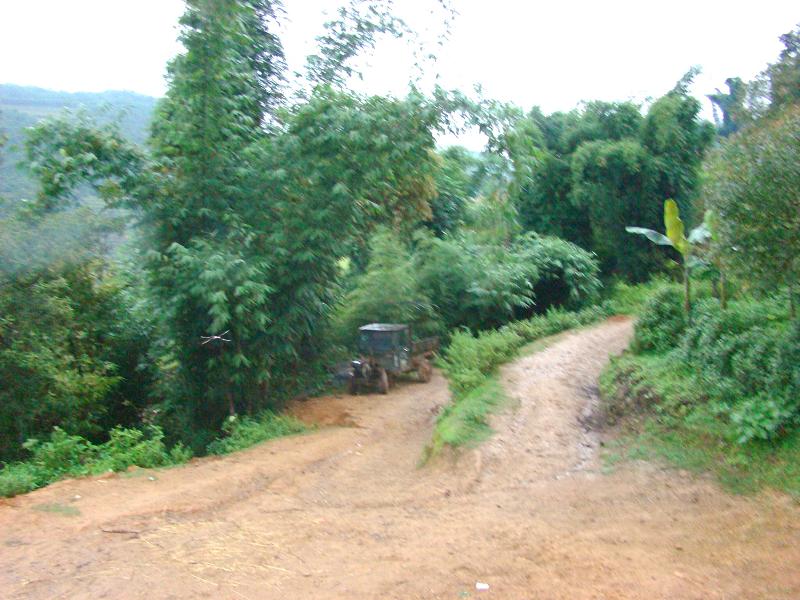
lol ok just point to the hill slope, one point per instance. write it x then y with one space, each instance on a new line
22 107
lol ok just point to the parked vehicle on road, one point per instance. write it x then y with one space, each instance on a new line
387 350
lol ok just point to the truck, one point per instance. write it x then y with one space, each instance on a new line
387 350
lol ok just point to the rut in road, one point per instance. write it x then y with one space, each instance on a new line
346 512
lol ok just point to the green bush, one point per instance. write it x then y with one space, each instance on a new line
62 455
556 320
662 321
133 447
761 417
469 359
243 432
568 275
65 455
19 478
743 361
473 282
388 292
630 299
480 282
750 444
73 343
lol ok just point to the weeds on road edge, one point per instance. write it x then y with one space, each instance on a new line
470 363
719 395
65 455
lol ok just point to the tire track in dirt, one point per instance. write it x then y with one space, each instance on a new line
345 512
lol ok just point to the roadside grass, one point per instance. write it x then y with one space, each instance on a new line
64 456
664 417
464 423
542 344
470 363
244 432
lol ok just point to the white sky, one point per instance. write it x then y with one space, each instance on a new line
553 54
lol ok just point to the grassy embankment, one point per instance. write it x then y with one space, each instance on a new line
470 364
719 395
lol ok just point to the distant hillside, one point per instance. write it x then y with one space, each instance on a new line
21 107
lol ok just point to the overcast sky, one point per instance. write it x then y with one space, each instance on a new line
553 54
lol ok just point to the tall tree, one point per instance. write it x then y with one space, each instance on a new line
752 186
732 106
456 183
208 262
585 175
784 74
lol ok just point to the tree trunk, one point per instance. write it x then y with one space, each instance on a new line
792 308
723 292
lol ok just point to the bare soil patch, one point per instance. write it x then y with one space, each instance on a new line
345 512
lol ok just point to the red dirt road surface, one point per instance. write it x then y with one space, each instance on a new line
346 512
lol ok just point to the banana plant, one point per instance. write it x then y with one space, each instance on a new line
676 237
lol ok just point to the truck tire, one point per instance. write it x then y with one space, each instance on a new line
383 381
425 371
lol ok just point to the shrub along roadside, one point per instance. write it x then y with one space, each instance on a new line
243 432
721 393
647 393
65 455
470 362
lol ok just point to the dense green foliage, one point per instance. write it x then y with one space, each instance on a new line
483 284
71 338
643 384
23 107
244 226
389 291
753 178
471 279
720 393
455 186
65 455
585 175
741 358
718 387
243 432
153 296
244 206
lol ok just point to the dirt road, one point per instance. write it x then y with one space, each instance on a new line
345 512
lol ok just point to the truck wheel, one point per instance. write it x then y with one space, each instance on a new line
425 371
383 381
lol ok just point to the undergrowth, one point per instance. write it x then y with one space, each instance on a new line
243 432
666 417
720 394
64 455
